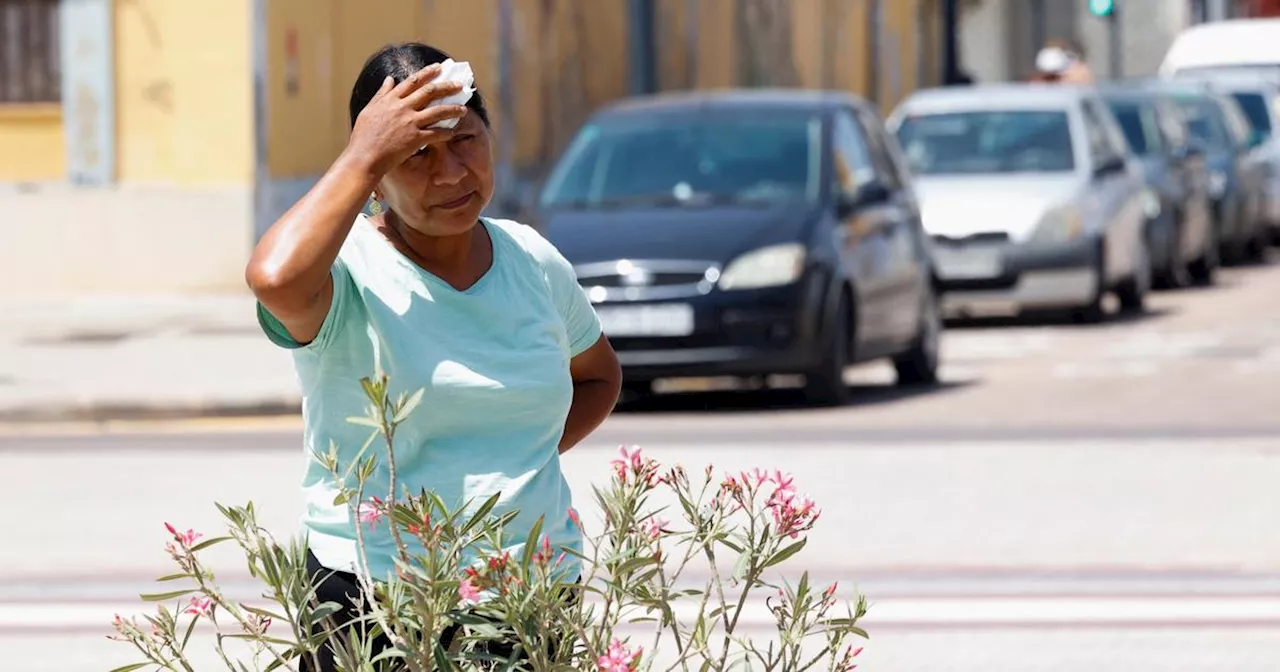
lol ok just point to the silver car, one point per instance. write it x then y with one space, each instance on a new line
1029 196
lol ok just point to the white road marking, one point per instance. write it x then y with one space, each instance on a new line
896 612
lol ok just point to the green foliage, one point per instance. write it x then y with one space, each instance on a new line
518 613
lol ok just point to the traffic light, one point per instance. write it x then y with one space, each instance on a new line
1102 7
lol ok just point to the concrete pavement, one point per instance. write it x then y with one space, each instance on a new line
992 554
182 356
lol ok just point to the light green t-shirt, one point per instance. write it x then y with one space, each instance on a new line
494 362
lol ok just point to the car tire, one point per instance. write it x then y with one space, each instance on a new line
1256 249
824 384
1133 292
1094 311
635 390
1205 267
1178 273
919 365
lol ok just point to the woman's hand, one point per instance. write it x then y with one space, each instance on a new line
397 121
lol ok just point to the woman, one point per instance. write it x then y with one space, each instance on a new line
484 314
1062 61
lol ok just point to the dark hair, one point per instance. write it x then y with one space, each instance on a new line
399 61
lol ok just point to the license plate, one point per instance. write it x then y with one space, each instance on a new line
652 320
971 264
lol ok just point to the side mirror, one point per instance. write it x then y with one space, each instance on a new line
1115 164
870 194
1190 150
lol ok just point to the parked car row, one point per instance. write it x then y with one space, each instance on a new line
760 232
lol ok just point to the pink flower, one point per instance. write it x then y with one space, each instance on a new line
783 481
792 513
654 527
187 539
371 512
468 590
846 662
573 515
199 606
632 463
620 658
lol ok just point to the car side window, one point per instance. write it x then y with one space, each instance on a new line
1103 146
887 170
852 167
1235 121
1170 122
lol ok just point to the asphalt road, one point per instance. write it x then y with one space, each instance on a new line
1072 497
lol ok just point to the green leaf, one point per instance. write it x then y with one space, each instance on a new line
324 611
741 567
161 597
784 554
633 564
173 577
263 612
256 638
209 542
480 513
732 546
361 420
387 654
131 668
409 405
531 544
342 498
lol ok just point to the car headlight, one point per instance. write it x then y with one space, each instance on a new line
1217 184
1058 226
766 267
1150 203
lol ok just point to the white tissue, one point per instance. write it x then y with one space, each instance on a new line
454 71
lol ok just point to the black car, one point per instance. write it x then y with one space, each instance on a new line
1180 228
747 233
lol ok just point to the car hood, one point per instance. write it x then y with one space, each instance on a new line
716 234
959 206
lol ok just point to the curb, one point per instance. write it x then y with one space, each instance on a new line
113 412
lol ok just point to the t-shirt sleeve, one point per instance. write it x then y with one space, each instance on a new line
580 320
343 295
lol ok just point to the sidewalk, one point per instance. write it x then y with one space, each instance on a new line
146 357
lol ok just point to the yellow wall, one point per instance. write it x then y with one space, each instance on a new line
567 62
31 143
184 91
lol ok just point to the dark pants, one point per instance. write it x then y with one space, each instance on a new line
343 588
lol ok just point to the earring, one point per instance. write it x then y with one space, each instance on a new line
375 206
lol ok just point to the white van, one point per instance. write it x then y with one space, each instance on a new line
1239 45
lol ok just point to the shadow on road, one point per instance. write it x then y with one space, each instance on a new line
775 399
1060 319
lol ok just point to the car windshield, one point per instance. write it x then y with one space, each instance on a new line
1255 110
1005 141
702 158
1204 121
1137 124
1204 72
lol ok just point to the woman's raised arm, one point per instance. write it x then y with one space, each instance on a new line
289 269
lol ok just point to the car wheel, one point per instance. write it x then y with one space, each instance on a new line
919 365
824 385
1094 311
635 390
1133 293
1206 266
1178 273
1256 248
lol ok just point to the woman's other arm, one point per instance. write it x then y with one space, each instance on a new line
597 381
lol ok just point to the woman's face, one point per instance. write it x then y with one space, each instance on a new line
441 190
